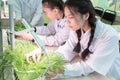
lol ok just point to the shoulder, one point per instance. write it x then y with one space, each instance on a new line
52 22
63 23
104 30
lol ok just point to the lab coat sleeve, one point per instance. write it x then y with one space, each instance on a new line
77 69
46 30
58 39
104 54
17 8
66 50
38 14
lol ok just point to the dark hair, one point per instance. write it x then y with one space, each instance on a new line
83 7
54 3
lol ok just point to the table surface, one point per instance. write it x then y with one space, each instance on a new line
92 76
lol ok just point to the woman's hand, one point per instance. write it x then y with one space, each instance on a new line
35 55
25 36
75 59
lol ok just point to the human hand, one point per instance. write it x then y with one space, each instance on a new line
24 36
75 59
35 55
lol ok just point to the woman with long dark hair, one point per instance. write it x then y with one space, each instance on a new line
92 45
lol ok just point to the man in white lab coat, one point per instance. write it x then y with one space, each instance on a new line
30 10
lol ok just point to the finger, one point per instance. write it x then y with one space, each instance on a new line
34 58
27 58
38 58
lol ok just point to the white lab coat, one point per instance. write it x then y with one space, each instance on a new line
105 58
55 33
30 10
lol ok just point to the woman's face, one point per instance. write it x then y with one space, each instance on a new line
75 21
49 13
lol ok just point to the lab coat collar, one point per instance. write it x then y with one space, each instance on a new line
60 22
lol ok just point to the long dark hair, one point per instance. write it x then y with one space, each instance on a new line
83 7
54 3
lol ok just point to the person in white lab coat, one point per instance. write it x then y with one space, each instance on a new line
92 45
57 31
30 10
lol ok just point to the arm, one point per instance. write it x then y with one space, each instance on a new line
46 30
66 51
40 31
98 61
77 69
58 39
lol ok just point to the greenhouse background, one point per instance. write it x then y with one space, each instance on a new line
7 22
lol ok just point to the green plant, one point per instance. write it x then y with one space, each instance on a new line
19 26
31 71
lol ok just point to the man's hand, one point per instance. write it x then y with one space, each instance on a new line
35 55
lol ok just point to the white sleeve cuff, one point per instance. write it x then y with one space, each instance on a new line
77 69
